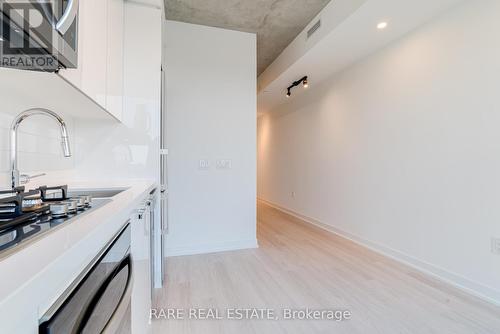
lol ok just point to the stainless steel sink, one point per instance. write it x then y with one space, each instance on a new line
96 193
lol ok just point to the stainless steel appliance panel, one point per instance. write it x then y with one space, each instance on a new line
93 302
55 40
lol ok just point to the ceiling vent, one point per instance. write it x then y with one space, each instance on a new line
313 29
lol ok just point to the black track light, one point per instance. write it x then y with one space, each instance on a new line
302 81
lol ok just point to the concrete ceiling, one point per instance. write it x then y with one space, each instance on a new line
276 22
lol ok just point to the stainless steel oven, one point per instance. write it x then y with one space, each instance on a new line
99 300
39 34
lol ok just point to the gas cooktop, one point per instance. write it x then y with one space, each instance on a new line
25 215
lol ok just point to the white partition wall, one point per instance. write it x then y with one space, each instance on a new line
211 136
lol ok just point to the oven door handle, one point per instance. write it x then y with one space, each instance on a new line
87 312
68 17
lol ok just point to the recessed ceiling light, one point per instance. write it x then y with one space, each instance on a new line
382 25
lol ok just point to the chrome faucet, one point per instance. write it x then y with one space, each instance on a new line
15 177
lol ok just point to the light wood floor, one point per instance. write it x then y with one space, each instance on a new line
300 266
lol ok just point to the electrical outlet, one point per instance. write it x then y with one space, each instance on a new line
224 164
293 194
495 246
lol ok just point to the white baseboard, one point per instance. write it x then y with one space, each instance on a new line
212 247
471 287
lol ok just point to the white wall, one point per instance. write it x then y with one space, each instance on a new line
211 115
402 150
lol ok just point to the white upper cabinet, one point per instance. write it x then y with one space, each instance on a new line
100 54
93 55
114 82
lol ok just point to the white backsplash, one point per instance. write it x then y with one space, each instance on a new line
39 146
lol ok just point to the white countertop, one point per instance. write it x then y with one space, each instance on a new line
33 277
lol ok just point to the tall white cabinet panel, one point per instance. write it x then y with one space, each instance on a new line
114 89
141 271
94 52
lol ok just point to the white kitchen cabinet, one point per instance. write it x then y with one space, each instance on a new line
114 75
100 54
74 75
93 54
141 297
